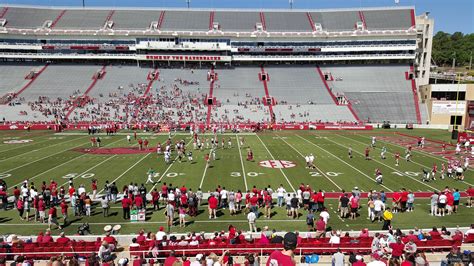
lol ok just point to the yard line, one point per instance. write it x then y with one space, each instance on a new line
126 171
431 187
93 167
324 174
424 166
203 175
66 162
23 165
314 144
49 146
241 162
273 158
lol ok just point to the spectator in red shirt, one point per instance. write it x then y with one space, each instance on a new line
4 199
139 202
39 238
141 236
403 199
126 203
110 240
64 207
320 228
16 193
155 199
470 196
212 202
397 248
285 256
396 197
62 239
435 234
53 217
47 237
320 200
72 190
170 259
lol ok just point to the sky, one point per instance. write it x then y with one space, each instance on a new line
450 15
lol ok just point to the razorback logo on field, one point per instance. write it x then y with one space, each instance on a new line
277 164
17 141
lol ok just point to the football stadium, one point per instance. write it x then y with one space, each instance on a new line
208 136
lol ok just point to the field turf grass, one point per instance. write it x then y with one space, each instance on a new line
54 156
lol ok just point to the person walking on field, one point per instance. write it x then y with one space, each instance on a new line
387 219
252 218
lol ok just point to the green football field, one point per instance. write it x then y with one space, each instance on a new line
43 156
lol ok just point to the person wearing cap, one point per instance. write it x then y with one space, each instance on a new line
160 234
285 256
199 260
359 261
376 261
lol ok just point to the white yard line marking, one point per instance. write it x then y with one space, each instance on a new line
242 162
324 174
49 146
126 171
23 165
57 166
273 158
314 144
203 176
375 160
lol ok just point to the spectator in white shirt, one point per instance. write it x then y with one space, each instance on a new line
325 215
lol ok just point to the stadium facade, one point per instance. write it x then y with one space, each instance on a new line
367 63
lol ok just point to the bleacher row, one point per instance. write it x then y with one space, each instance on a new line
46 251
199 20
307 246
377 92
321 246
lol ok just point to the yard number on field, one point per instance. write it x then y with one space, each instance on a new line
327 173
251 174
75 175
409 173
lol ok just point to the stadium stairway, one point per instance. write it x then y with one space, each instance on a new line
349 104
267 94
212 79
3 99
151 77
75 103
415 97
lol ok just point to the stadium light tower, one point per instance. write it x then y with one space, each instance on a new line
188 2
291 3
